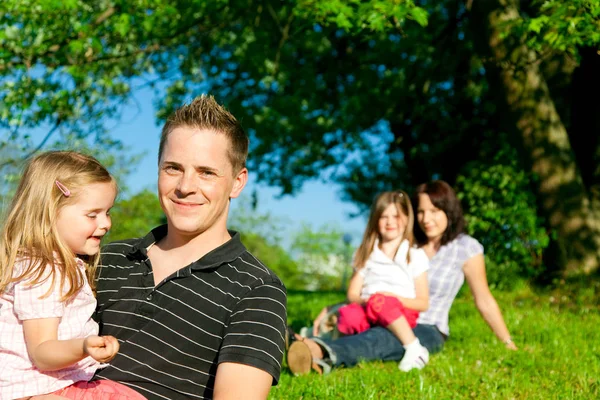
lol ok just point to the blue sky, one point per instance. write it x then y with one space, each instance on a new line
317 204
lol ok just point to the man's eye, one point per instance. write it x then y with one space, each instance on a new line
92 216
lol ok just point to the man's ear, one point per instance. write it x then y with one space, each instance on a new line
239 182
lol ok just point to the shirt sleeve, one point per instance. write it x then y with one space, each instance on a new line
471 247
255 333
419 262
362 271
30 303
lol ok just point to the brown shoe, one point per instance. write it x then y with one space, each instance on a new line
300 360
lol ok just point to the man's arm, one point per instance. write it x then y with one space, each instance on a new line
238 381
253 345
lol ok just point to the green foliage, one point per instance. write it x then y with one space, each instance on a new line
390 90
261 235
563 26
501 213
111 153
322 256
135 216
68 68
558 356
358 15
62 79
276 258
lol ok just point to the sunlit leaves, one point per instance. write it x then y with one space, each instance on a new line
560 26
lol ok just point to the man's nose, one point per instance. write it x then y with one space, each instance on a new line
186 184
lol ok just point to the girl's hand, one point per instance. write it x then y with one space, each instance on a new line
389 294
101 348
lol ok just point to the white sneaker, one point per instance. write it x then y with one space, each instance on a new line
416 356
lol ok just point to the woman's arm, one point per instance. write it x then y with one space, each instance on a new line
355 288
474 269
421 301
48 353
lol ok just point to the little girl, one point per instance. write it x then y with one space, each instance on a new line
49 250
389 286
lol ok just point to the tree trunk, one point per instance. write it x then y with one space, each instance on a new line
561 193
585 132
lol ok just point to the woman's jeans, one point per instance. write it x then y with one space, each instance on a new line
377 343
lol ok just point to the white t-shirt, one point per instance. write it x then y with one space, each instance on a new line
381 274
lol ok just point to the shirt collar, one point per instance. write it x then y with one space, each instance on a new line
225 253
399 258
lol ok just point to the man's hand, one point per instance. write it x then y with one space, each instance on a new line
101 348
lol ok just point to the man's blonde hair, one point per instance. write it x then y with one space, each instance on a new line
28 234
205 113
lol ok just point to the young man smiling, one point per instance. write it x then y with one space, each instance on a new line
196 314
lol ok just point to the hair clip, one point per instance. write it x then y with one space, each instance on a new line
63 188
400 194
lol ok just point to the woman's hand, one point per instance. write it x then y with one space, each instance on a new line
510 344
101 348
318 320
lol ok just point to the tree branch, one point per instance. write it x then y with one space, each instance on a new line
32 152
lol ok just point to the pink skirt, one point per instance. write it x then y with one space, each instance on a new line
99 390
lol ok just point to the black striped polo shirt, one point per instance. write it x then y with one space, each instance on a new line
225 307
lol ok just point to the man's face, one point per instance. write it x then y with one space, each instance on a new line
196 180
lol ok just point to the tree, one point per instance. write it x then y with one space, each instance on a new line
322 257
372 93
395 108
276 258
262 236
544 140
502 215
69 66
135 216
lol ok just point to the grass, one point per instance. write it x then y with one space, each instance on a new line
557 331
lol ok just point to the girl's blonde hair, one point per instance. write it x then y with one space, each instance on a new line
28 233
382 201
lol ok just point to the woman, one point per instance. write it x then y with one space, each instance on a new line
454 256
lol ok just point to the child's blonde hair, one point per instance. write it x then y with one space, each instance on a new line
382 201
28 232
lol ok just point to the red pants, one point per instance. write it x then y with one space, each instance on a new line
99 390
379 310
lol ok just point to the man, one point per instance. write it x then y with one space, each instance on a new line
196 314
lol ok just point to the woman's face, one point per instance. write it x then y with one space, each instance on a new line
432 220
392 224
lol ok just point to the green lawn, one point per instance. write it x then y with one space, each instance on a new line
556 331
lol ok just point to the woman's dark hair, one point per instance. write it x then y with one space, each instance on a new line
443 197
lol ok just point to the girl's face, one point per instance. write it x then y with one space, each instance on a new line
432 220
392 224
82 224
